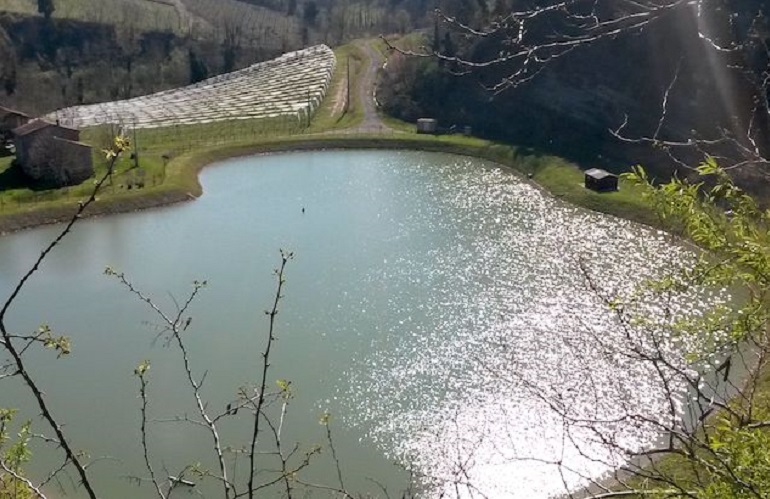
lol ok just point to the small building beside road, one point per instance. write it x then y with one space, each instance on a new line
427 125
600 180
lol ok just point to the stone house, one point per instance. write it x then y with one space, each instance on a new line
9 120
52 154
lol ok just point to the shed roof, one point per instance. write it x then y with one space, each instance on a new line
598 173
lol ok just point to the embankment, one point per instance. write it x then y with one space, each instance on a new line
555 175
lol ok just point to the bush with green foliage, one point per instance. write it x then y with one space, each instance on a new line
720 448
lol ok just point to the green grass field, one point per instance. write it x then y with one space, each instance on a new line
19 195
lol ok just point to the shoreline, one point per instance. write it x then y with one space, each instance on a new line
183 172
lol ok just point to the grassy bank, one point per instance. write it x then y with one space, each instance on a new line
178 179
24 204
562 179
352 60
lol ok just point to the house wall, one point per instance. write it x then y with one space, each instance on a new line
33 151
427 125
601 184
29 151
53 155
9 121
72 163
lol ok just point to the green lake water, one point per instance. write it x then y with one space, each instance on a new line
429 294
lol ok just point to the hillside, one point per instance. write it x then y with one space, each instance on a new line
687 84
86 51
89 51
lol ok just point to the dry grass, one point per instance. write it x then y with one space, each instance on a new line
143 15
326 118
19 6
259 26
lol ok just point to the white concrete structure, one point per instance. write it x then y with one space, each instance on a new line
291 86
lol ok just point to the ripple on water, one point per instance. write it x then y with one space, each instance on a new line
471 380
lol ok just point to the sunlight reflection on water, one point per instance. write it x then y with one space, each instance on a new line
473 378
437 299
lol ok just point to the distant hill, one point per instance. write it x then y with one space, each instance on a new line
88 51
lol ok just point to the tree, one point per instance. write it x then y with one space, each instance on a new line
231 42
7 63
17 345
198 69
310 14
267 406
9 84
12 481
716 436
402 21
701 65
338 21
127 36
291 7
46 7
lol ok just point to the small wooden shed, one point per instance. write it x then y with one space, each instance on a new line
600 180
427 125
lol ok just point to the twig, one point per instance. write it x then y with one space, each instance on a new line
120 145
22 479
285 257
141 373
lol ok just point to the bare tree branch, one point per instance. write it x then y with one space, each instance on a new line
272 313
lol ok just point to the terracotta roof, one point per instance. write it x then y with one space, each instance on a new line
30 127
34 126
8 110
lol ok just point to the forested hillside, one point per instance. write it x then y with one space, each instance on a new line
664 78
58 53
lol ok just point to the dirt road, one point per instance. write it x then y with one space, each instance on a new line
366 90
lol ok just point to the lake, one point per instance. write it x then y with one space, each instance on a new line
437 307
